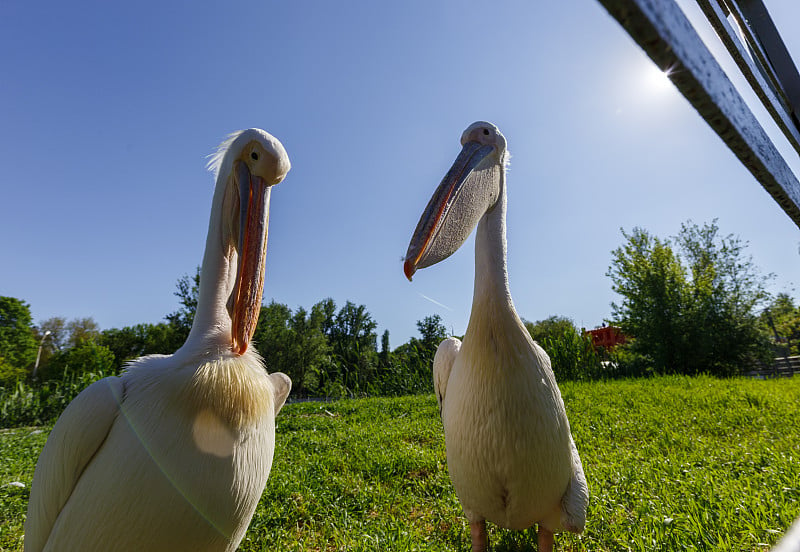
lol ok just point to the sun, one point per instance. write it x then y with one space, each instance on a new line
655 80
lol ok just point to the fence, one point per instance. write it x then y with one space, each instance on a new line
782 367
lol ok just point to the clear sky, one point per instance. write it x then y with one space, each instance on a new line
108 110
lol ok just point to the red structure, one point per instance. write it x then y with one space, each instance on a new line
607 337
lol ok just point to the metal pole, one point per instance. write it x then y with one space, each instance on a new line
39 352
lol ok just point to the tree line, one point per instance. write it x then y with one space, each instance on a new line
692 303
327 351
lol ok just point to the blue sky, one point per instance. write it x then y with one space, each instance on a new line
108 110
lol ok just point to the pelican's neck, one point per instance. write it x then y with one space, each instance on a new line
491 299
211 328
491 269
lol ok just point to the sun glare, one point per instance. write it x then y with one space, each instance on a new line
647 88
655 80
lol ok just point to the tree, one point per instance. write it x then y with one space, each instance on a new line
652 282
80 330
355 326
726 291
325 311
9 373
63 336
52 336
188 293
385 349
412 362
692 311
432 331
354 345
271 337
57 326
17 342
308 351
293 343
131 342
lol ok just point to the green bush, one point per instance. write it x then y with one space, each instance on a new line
572 353
86 357
572 356
68 373
625 362
25 404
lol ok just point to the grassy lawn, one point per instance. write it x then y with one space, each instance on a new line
672 464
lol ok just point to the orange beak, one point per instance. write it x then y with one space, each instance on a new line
452 203
254 196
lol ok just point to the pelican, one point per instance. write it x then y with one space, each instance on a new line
510 453
175 453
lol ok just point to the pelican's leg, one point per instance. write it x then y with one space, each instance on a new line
545 539
477 530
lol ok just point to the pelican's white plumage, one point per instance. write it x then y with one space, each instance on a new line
510 453
175 453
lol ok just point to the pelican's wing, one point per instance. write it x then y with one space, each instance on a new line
281 385
77 436
576 499
442 364
790 542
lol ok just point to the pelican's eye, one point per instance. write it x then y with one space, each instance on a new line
486 132
254 156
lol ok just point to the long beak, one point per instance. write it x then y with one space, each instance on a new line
452 212
254 196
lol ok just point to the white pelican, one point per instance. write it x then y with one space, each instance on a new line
510 453
175 453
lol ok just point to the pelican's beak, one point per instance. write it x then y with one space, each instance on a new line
254 195
468 190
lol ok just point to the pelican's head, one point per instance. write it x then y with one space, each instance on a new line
247 164
470 188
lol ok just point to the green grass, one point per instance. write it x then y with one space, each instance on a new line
672 464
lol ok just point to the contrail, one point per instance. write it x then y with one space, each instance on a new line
434 301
